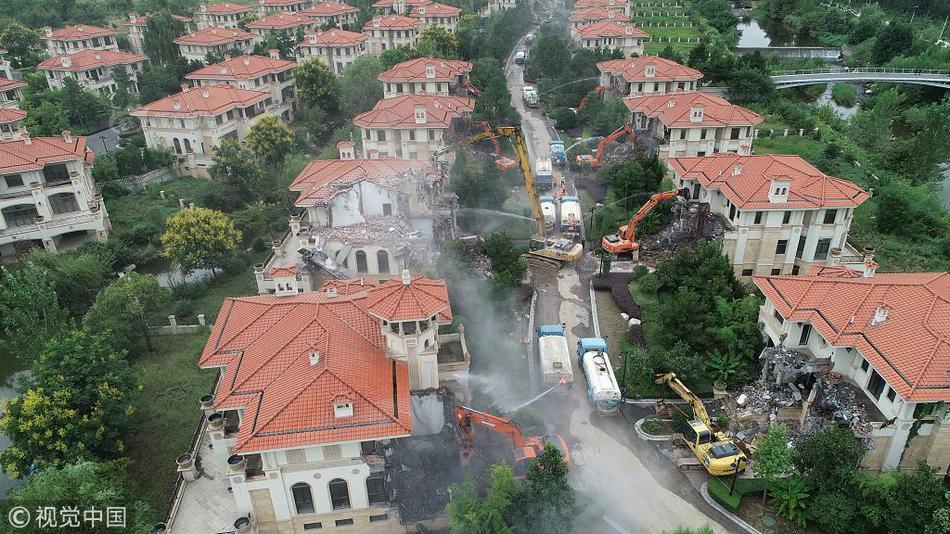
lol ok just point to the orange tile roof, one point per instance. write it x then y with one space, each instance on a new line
207 100
435 10
90 59
32 155
284 271
79 32
405 299
350 285
399 112
11 115
633 69
142 20
717 111
328 9
333 37
391 22
611 28
381 4
583 4
215 36
591 14
7 84
276 3
323 179
910 348
241 68
749 189
225 8
446 70
264 344
280 21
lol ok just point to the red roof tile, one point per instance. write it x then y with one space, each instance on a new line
674 109
334 37
7 84
399 112
591 14
241 68
391 22
350 285
280 21
207 100
90 59
633 69
446 70
284 271
382 4
284 3
142 20
323 179
215 36
328 9
224 8
264 344
435 10
79 32
583 4
611 28
11 115
749 189
22 155
910 348
408 298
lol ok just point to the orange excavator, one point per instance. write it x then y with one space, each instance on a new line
525 449
623 241
595 160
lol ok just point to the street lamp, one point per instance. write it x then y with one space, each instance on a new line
590 225
102 139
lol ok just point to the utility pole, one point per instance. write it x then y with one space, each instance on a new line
944 28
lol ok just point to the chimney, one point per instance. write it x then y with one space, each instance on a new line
430 70
610 15
696 113
185 87
66 61
98 56
376 23
870 266
203 8
420 114
671 104
27 140
737 170
650 70
346 149
880 314
48 31
274 53
67 136
778 189
132 18
245 61
312 38
331 292
406 277
314 357
176 104
629 30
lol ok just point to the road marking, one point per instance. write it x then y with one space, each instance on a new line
616 526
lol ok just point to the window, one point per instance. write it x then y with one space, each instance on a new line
382 261
758 217
891 394
343 522
56 174
380 135
303 498
312 526
806 331
875 385
13 180
865 365
782 246
361 262
746 272
19 215
830 216
255 465
387 208
177 145
786 217
368 447
776 272
701 153
795 269
188 147
332 452
821 249
732 212
431 135
801 247
296 456
734 134
412 135
702 134
683 133
777 315
378 517
63 203
375 489
339 496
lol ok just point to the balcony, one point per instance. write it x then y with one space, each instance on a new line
55 223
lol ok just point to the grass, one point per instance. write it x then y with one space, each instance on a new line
653 49
168 414
719 490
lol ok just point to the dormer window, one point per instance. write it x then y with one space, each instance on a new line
696 114
342 408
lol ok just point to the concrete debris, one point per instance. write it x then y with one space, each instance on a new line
839 400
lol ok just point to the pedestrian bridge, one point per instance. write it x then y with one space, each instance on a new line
933 78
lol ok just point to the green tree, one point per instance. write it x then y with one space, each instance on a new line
640 176
47 119
913 500
507 265
436 41
270 140
773 458
394 56
363 88
895 39
909 211
78 404
77 277
494 102
545 502
19 41
127 308
750 85
105 169
156 82
828 460
477 184
121 98
161 30
30 313
470 515
83 486
236 166
317 85
549 55
791 495
200 238
83 108
871 127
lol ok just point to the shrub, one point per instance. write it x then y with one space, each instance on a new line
844 95
639 272
635 336
184 308
652 425
650 283
237 263
564 118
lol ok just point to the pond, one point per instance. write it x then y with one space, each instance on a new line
169 276
11 371
762 34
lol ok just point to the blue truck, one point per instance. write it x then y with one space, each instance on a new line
558 155
602 389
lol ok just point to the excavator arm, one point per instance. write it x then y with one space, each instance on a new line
466 417
699 410
645 210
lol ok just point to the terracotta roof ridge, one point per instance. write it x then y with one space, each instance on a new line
940 340
391 416
280 346
258 423
232 300
344 321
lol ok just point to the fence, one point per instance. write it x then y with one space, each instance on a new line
140 182
688 40
175 329
787 132
655 14
652 24
634 5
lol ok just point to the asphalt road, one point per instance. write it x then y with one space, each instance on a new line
634 488
104 142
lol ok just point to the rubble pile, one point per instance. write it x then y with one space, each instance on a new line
839 401
764 396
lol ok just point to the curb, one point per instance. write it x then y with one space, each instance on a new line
593 309
649 437
704 491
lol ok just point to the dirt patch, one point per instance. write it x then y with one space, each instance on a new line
765 519
612 326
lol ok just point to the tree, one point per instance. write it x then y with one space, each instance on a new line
157 82
317 85
363 88
83 486
913 499
549 55
436 41
270 140
395 56
19 41
48 119
773 458
505 259
750 85
477 184
236 166
469 515
127 308
494 102
909 211
545 502
895 39
30 313
81 106
828 460
161 30
121 98
76 277
78 404
200 238
641 176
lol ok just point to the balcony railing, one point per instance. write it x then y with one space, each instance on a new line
57 222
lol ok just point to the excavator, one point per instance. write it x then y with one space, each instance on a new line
525 449
595 160
623 241
543 252
715 452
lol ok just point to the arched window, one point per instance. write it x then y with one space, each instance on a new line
188 146
382 259
177 146
339 494
303 497
361 262
63 203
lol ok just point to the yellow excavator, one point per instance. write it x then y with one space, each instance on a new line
718 454
543 252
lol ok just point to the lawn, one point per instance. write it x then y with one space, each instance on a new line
719 490
172 383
